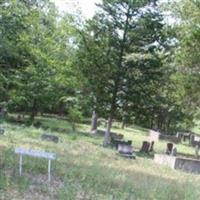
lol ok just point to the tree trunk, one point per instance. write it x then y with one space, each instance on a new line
73 127
123 125
33 111
107 137
94 123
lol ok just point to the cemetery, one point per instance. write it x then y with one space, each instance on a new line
99 100
131 152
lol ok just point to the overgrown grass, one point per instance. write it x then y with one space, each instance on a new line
85 170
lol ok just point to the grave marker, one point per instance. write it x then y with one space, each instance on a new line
2 131
169 148
51 138
145 147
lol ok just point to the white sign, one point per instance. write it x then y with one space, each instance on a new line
34 153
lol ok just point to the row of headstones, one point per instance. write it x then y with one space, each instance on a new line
125 148
170 150
148 147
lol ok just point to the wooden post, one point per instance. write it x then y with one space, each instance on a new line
49 170
20 164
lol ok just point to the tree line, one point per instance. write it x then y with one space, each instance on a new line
126 63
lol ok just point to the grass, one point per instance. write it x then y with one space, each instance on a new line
84 170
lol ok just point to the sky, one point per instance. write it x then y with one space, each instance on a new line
87 6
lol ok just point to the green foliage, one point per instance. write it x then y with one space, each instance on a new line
33 60
74 116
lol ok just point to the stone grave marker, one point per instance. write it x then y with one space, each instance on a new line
51 138
126 150
186 136
197 151
191 139
2 131
169 148
151 147
179 136
116 142
174 151
145 147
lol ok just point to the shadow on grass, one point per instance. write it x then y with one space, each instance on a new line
144 155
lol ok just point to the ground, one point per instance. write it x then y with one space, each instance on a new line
84 170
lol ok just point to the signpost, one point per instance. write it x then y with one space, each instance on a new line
34 153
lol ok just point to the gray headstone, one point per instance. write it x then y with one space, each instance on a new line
2 131
197 151
174 151
51 138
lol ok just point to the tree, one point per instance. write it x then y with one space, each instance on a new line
36 55
187 59
121 28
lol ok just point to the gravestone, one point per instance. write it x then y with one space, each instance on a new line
186 136
51 138
197 151
2 131
169 148
116 136
179 136
174 151
145 147
116 142
126 150
154 135
191 140
151 147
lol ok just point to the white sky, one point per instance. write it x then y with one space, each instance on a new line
86 6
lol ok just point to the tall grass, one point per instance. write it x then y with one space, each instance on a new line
85 170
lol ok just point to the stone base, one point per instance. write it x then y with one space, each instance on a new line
131 156
179 163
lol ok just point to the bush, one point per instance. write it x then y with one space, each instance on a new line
75 116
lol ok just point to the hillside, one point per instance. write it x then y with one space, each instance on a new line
85 170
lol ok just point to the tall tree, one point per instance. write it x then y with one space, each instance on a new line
121 28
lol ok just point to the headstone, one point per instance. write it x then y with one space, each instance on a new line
174 151
2 131
186 136
191 141
154 135
151 147
179 136
197 151
51 138
145 147
125 149
169 148
116 142
3 112
116 136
